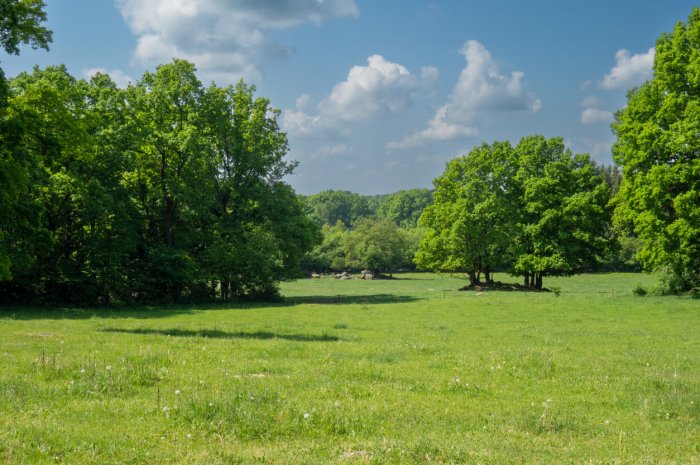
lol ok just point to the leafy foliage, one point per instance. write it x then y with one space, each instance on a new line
468 228
658 147
535 209
162 191
378 245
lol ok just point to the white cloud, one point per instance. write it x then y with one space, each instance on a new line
590 102
438 129
480 88
378 89
429 74
381 87
120 78
226 39
596 116
327 152
629 70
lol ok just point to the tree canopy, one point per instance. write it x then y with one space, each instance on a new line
536 210
161 191
658 148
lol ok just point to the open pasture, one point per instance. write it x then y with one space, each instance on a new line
398 371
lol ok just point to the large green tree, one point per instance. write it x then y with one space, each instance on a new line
658 148
536 210
469 226
562 202
20 23
162 191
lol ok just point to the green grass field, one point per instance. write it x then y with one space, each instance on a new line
402 371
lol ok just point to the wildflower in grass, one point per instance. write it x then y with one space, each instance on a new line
82 371
109 367
306 416
177 392
189 436
166 409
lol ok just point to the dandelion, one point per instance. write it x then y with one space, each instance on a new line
82 371
306 416
189 436
109 367
166 409
177 392
211 404
607 422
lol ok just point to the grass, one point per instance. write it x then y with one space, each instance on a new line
401 371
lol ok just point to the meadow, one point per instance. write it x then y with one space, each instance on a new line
385 372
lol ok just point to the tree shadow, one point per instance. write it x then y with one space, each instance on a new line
78 313
217 334
346 299
147 312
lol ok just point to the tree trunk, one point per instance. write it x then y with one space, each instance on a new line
526 282
473 281
224 290
538 281
168 214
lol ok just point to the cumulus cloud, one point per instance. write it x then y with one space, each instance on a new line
226 39
332 151
378 89
629 70
596 116
481 87
438 129
381 87
120 78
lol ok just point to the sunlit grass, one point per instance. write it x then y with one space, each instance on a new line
397 371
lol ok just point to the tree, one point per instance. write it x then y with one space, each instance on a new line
378 245
329 255
563 201
536 209
470 224
405 207
20 23
162 191
331 206
658 148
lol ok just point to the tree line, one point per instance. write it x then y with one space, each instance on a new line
163 191
170 190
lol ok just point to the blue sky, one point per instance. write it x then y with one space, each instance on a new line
377 95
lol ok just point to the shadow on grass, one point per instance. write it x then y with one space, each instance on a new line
217 334
77 313
349 299
145 312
